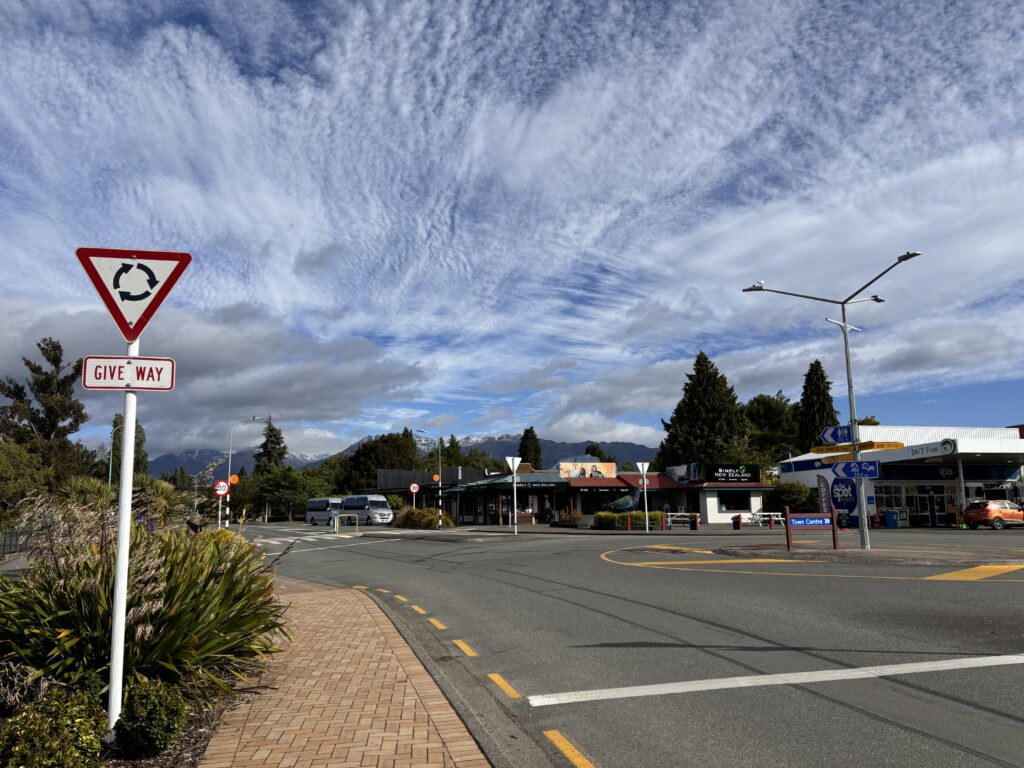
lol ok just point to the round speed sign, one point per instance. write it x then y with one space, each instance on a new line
414 488
221 487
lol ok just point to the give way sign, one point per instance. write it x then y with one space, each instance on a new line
132 284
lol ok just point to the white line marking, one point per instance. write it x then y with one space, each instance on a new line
338 546
786 678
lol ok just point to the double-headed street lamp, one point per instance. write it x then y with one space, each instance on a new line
439 509
865 541
231 435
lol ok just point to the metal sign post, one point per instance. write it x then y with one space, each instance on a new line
644 466
513 463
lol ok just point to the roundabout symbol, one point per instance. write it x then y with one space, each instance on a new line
151 281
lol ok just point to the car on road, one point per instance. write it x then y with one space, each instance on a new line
372 509
994 513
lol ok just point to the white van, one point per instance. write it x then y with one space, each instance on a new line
372 509
322 511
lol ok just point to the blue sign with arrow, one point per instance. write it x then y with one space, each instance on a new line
810 522
855 469
836 435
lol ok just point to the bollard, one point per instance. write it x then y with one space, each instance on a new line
771 521
629 522
663 522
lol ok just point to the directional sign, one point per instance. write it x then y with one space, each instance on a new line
810 522
221 488
132 284
135 373
833 448
414 488
855 469
837 458
833 435
875 445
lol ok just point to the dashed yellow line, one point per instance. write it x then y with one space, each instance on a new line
385 591
465 648
359 587
503 684
437 623
977 573
401 599
418 610
567 748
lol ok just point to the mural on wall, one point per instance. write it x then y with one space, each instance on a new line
587 469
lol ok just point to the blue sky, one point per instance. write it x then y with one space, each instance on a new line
474 217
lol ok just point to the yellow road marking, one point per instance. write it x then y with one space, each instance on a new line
419 610
358 587
674 548
385 591
503 684
976 573
465 648
437 623
401 599
566 748
730 561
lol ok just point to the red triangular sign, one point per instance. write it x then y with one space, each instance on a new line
132 284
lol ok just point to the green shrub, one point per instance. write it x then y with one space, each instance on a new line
605 520
394 501
413 517
19 684
63 730
151 721
200 607
797 496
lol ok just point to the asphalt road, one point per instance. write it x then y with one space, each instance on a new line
578 625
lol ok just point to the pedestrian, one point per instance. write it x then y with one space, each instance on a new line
665 510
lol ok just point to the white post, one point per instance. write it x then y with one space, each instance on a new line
220 500
644 466
124 531
513 463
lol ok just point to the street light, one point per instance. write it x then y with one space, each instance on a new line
110 460
439 521
513 464
231 435
643 466
865 540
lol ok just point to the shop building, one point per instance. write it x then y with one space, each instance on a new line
931 479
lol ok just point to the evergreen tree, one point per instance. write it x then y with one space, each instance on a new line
772 420
707 425
453 453
816 409
869 421
529 449
141 462
270 455
392 451
595 450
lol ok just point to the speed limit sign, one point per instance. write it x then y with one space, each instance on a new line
414 488
221 487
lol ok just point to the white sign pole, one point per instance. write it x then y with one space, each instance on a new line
220 500
124 531
513 463
644 466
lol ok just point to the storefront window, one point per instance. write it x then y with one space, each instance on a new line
889 497
734 500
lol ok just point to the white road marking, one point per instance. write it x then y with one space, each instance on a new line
338 546
786 678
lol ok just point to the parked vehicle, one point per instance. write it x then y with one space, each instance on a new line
994 513
323 511
372 510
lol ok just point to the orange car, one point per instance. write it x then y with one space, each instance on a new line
994 513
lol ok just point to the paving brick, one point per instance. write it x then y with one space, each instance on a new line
346 692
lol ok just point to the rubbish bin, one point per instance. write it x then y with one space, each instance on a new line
737 522
892 519
694 522
843 519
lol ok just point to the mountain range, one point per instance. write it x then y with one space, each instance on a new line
198 459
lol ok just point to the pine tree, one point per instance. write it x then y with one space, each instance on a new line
595 450
816 410
707 425
44 408
270 455
453 453
141 462
529 449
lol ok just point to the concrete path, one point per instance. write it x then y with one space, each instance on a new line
347 691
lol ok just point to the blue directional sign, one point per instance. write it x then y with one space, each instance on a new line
855 469
835 435
810 522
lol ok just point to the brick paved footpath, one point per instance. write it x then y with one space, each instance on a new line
347 691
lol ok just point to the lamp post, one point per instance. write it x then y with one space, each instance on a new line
110 460
513 464
865 539
643 466
231 435
439 508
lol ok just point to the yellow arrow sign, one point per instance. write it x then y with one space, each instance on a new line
832 448
837 459
867 445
